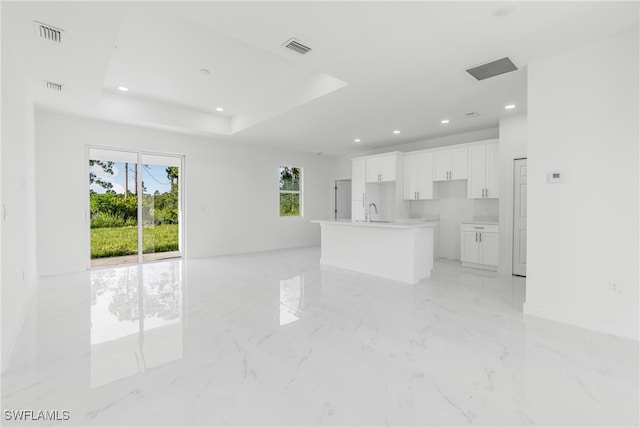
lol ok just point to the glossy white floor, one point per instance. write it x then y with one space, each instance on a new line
274 339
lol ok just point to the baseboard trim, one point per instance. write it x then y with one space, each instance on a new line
567 318
479 266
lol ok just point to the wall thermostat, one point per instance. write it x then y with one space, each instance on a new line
555 177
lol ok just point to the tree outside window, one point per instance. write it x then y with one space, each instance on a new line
290 191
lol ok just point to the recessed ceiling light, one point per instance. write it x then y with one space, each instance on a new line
356 140
219 109
396 132
445 121
510 107
123 89
505 9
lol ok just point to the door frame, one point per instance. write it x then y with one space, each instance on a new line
513 213
334 190
182 229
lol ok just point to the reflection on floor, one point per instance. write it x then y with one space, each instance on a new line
133 259
275 339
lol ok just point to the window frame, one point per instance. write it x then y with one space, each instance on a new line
299 192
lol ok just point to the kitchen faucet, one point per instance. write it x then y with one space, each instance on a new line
375 207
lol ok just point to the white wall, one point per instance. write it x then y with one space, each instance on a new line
231 190
18 201
583 233
513 145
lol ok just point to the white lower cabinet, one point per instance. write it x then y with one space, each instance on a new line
479 246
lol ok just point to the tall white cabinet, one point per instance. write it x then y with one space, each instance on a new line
378 179
483 171
358 189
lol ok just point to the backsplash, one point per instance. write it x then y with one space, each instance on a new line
452 207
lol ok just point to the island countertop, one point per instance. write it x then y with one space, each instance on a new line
378 224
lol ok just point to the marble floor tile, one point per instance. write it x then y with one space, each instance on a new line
275 339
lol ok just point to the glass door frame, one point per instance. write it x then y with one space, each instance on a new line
139 195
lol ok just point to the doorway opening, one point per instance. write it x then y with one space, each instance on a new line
519 261
342 199
135 205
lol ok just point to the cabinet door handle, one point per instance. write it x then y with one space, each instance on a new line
476 236
480 237
418 195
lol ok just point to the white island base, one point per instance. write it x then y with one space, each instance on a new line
401 251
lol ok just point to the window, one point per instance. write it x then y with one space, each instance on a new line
290 191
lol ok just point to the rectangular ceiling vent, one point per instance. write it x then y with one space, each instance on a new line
472 115
493 68
296 46
57 87
48 32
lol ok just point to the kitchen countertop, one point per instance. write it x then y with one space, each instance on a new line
391 224
480 222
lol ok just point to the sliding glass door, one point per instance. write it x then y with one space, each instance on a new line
160 207
135 206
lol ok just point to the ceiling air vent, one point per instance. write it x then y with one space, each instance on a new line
493 68
472 115
48 32
57 87
296 46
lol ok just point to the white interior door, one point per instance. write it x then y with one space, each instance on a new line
520 217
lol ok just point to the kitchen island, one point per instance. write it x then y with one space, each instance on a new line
397 250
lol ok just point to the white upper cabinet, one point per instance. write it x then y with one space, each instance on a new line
418 176
450 164
381 168
483 171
